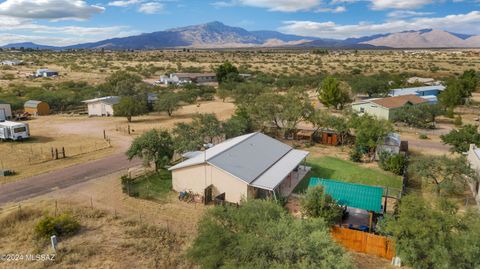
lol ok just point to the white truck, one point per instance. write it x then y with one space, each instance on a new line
10 130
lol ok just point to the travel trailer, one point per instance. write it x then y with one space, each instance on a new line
10 130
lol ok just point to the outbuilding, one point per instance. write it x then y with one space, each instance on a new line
103 106
245 167
5 111
36 108
46 73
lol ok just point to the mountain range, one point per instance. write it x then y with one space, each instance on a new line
219 35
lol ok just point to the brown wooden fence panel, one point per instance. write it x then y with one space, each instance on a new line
365 242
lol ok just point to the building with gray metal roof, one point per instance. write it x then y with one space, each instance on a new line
248 166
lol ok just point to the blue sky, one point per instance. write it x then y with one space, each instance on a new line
64 22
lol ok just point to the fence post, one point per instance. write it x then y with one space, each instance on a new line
53 156
129 129
56 154
63 152
104 135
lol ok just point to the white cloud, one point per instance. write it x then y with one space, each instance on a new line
454 23
49 9
123 3
407 13
338 9
273 5
150 7
399 4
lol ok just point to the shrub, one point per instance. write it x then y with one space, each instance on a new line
394 163
458 120
423 136
62 225
317 204
356 155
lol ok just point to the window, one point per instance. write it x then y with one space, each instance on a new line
362 110
19 130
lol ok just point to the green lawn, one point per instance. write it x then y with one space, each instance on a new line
153 186
338 169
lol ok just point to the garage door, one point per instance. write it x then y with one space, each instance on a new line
2 114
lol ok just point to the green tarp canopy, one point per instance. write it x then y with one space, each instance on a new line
352 195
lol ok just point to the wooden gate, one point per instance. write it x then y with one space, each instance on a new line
365 242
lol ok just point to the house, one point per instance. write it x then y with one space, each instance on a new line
11 62
103 106
186 78
5 111
36 108
385 108
473 157
428 92
46 73
245 167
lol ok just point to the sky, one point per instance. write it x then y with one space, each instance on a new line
67 22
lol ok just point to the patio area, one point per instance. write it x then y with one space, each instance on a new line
292 180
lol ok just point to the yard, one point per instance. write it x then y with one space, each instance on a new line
338 169
152 186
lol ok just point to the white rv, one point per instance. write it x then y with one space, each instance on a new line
10 130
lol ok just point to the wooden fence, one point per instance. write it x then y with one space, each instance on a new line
364 242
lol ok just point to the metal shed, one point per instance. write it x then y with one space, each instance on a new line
37 108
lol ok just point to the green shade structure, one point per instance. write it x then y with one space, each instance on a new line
352 195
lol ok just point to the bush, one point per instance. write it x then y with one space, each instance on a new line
356 155
423 136
62 225
458 121
394 163
317 204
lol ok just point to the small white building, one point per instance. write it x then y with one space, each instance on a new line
103 106
5 111
473 157
186 78
11 62
46 73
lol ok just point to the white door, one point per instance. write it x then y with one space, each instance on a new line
104 110
3 115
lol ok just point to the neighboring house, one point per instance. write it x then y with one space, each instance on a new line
103 106
473 157
5 111
45 73
36 108
427 92
245 167
186 78
385 108
11 62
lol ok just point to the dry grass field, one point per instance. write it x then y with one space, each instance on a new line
82 138
95 66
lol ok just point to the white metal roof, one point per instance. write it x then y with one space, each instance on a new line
107 99
415 90
11 123
271 178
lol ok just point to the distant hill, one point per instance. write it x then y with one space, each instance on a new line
30 45
218 35
428 38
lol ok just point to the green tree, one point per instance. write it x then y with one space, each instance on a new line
371 85
421 116
448 175
226 71
316 203
461 138
369 131
454 94
261 234
130 107
435 237
153 146
122 83
168 102
331 93
204 128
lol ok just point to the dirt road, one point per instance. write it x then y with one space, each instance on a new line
59 179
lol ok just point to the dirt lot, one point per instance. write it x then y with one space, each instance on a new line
82 138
